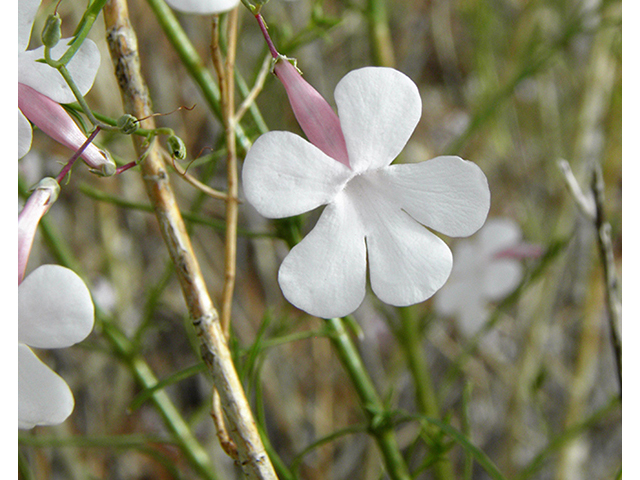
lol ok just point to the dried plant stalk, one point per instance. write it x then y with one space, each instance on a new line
122 43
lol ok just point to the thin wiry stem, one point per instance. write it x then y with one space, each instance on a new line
225 70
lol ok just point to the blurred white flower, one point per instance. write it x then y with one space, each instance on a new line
41 90
486 269
376 213
203 7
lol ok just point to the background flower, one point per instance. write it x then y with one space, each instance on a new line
375 212
54 311
486 269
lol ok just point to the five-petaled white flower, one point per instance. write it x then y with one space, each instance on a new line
54 311
375 213
41 90
486 269
203 7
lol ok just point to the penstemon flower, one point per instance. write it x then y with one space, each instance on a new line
41 90
487 269
54 311
203 7
375 213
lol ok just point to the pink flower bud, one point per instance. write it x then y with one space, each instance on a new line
53 120
317 119
28 219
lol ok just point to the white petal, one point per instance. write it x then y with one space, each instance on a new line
27 10
379 109
447 194
407 263
472 314
202 7
501 278
325 274
25 135
285 175
83 68
447 301
498 234
54 308
461 298
43 397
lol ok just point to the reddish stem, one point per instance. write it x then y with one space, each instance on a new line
263 27
72 160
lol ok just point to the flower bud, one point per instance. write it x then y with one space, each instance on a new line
127 124
43 196
176 147
107 169
53 120
317 119
52 32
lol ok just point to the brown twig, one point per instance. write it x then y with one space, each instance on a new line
265 68
122 42
225 71
591 205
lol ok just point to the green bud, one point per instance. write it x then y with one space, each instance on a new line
52 32
50 184
107 169
176 147
127 124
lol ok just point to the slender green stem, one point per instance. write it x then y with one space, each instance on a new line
380 36
373 407
426 398
85 25
83 29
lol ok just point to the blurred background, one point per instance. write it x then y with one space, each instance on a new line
512 85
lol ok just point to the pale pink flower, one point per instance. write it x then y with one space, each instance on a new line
486 269
41 90
375 213
203 7
55 310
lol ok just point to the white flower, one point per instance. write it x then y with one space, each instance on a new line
486 269
41 90
376 213
54 311
203 7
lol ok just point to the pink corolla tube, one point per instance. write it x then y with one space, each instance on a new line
53 120
44 195
317 119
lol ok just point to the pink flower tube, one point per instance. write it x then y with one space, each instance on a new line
37 205
317 119
53 120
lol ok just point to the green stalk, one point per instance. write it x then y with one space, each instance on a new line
373 407
379 34
426 399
